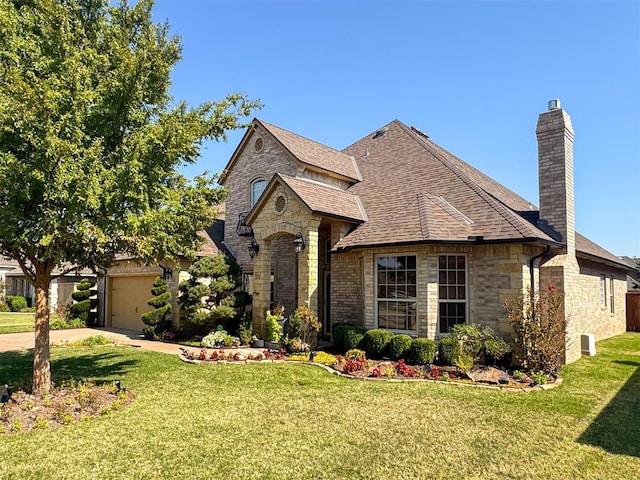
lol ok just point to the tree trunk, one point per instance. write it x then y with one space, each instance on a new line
41 353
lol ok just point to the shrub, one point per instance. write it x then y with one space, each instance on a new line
376 342
448 349
57 323
206 298
399 346
84 303
475 344
540 327
4 307
272 326
355 353
421 351
76 323
96 340
347 336
217 338
304 324
16 302
156 319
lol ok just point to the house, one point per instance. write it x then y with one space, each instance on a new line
396 232
125 287
60 290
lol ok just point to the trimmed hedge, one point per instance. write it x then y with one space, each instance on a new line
347 336
449 350
16 302
376 342
422 351
399 346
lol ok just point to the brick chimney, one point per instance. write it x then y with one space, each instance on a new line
555 175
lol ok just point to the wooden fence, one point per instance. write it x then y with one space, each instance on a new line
633 311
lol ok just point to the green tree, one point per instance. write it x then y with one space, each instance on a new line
91 142
207 298
84 303
157 318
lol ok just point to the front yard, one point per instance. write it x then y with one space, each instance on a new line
16 322
285 420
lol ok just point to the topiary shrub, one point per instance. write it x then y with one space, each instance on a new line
157 318
346 336
206 299
376 342
399 346
83 305
16 302
421 351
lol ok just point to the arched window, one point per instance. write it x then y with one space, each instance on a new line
257 187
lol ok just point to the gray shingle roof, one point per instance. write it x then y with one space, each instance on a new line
326 200
314 153
415 191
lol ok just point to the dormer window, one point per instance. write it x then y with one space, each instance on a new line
257 187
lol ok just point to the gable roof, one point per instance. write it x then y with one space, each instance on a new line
320 198
308 152
414 191
314 153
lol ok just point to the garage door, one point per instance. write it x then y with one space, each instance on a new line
129 296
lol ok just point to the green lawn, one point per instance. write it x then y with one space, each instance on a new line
288 421
16 322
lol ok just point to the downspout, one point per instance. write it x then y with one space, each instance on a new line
531 275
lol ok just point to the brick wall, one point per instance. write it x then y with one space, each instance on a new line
248 166
494 273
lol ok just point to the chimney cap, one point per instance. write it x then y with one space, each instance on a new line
554 104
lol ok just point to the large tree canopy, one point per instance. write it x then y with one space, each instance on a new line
91 140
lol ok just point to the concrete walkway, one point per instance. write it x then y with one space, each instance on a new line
20 341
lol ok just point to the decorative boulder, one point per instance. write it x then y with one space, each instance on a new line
488 375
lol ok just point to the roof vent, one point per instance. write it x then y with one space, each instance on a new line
554 104
381 132
419 132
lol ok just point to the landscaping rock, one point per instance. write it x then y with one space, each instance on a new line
488 375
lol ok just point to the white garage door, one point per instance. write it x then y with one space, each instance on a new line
129 296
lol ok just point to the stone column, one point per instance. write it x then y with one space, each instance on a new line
261 285
308 270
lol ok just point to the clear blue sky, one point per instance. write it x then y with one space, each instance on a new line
473 75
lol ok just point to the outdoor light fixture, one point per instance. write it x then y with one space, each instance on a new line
5 393
254 248
167 272
298 243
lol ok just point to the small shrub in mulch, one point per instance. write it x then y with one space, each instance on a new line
64 405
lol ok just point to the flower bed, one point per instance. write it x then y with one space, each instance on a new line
359 367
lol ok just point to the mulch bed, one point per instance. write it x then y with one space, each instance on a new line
64 405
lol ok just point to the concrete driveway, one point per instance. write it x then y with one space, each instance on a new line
20 341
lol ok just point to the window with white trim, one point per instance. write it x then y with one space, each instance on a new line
452 291
396 282
257 187
603 290
611 296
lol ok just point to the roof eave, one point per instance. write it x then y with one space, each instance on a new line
449 242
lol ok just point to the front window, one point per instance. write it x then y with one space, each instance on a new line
396 292
611 297
603 290
257 187
452 291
